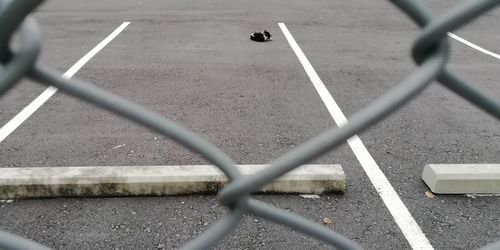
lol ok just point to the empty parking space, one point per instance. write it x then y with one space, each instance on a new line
438 126
193 62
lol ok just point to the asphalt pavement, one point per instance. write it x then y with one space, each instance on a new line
192 61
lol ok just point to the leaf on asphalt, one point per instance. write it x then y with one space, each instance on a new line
429 194
327 220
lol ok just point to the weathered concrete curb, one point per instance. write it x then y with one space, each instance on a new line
462 178
46 182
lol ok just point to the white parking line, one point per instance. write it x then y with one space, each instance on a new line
416 238
487 52
15 122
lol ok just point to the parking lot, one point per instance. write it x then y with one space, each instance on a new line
192 61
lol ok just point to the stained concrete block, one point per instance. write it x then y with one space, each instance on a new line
155 181
462 178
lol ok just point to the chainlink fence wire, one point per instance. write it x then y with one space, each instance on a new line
430 52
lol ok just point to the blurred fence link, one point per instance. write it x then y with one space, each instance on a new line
430 52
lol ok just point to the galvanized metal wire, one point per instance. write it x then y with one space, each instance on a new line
430 52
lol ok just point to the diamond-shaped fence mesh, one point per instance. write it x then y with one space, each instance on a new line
430 52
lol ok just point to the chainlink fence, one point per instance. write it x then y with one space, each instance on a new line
430 52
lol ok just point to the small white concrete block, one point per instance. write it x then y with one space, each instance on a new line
462 178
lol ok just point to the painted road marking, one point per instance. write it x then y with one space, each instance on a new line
15 122
397 208
487 52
